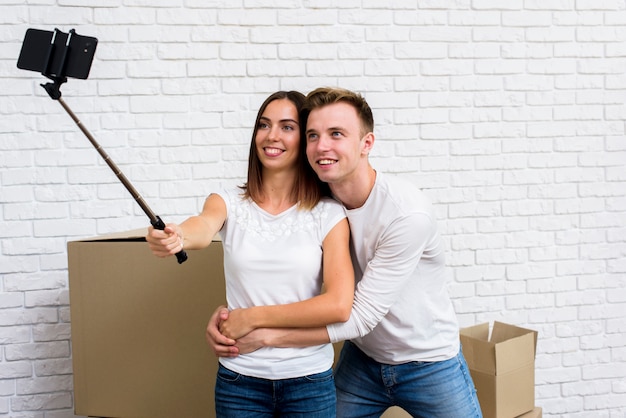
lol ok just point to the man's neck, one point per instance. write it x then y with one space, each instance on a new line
354 193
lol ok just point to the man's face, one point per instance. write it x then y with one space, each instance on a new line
335 144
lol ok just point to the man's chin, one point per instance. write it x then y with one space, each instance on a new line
324 176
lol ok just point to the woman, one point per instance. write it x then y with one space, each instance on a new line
283 239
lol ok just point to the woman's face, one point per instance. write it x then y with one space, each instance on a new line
278 136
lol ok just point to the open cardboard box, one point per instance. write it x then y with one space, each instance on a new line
138 328
503 368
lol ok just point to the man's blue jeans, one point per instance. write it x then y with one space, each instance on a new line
239 396
366 388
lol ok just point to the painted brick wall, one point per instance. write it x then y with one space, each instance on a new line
510 114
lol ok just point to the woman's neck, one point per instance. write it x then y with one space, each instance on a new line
277 195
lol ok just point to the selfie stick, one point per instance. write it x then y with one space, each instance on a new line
53 90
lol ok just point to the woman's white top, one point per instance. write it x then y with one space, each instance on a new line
273 260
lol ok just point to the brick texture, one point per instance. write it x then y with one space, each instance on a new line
510 115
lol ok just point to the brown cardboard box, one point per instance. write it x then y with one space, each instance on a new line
535 413
395 412
502 367
138 326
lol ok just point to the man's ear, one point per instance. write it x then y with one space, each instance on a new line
367 143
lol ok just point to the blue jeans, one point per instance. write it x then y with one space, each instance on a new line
240 396
366 388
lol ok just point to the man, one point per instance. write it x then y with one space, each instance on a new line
403 345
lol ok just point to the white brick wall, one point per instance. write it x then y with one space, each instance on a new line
510 114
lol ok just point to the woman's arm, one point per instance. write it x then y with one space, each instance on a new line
195 233
333 305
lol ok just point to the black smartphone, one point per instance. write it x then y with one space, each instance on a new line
50 53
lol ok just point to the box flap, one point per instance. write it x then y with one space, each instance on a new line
515 347
478 351
502 332
131 235
480 331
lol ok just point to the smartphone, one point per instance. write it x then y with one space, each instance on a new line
51 54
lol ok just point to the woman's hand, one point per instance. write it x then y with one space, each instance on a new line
237 324
167 242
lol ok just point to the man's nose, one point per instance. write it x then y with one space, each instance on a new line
323 143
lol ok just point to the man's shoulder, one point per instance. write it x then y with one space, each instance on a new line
403 190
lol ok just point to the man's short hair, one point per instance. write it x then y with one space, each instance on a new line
324 96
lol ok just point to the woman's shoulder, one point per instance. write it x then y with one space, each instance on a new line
328 207
231 194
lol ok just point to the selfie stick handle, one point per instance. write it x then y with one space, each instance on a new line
53 90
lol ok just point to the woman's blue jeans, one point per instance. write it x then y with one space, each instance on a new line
366 388
240 396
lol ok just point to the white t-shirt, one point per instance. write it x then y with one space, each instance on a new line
402 311
273 260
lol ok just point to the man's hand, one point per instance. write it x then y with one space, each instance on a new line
253 341
222 346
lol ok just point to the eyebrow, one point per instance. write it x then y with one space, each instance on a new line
263 118
331 129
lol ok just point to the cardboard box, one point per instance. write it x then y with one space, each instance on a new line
395 412
535 413
138 328
502 367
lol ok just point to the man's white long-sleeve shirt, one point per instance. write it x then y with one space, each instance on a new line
402 311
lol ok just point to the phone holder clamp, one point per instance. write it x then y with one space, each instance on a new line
54 89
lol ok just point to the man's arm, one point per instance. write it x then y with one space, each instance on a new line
384 280
282 337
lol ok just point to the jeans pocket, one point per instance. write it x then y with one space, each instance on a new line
227 375
320 377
